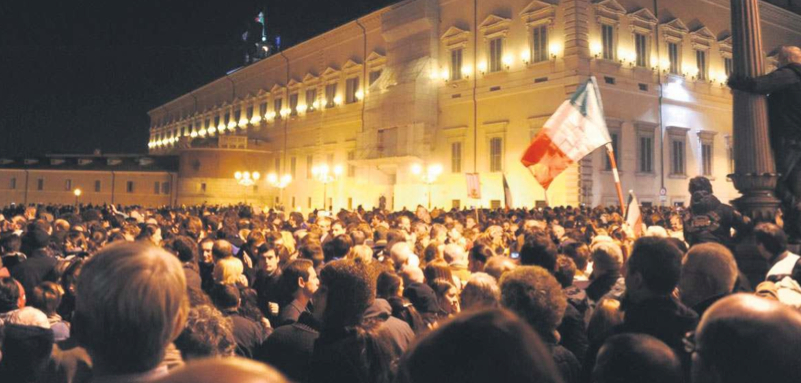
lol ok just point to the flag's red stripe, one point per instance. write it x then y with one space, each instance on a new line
544 152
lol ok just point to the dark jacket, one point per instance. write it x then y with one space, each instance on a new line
266 286
338 357
192 277
290 313
289 348
400 331
574 332
39 267
609 285
567 363
709 220
248 334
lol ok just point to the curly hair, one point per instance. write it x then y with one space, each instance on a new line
534 294
350 291
207 333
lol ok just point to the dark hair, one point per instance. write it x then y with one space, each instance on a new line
313 252
659 263
11 243
350 291
538 250
207 333
185 248
288 282
636 358
388 285
772 237
481 253
565 271
337 248
225 296
9 294
46 297
534 294
482 346
437 270
700 183
579 252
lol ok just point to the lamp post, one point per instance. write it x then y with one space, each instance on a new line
247 179
279 183
325 175
77 193
429 176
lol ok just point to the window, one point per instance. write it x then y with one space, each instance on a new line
216 121
351 166
237 116
13 183
615 142
250 112
608 41
293 104
374 75
165 188
227 118
97 186
706 158
308 201
456 64
700 61
129 187
728 64
156 187
293 202
496 153
539 44
677 156
40 184
203 187
456 157
293 166
68 185
262 109
351 87
673 57
311 99
309 164
330 95
278 104
496 54
641 49
645 153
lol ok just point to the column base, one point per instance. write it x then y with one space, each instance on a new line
758 201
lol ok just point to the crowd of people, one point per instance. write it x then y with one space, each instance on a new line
562 294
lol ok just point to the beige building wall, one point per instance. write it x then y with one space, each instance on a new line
416 112
19 186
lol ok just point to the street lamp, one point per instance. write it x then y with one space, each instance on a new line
324 174
77 193
247 179
428 175
279 183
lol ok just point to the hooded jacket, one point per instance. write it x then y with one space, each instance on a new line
709 220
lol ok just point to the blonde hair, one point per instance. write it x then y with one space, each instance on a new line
130 304
228 271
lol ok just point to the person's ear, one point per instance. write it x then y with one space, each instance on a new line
301 282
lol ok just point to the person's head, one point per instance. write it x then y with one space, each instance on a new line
636 358
447 295
700 183
497 266
46 297
389 285
207 333
653 269
10 294
579 252
268 259
534 294
234 369
565 271
184 248
228 271
606 316
438 270
477 257
483 346
606 258
412 274
743 338
538 250
404 224
337 248
324 223
709 270
131 303
770 239
788 54
481 291
222 249
226 297
400 254
337 228
346 291
299 279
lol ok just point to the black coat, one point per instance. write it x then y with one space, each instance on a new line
709 220
289 348
38 268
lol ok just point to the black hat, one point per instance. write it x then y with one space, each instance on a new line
422 297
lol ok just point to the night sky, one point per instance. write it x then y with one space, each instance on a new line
81 75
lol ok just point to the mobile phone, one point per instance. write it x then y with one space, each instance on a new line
515 255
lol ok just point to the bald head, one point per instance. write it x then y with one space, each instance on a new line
400 254
708 270
222 249
788 55
744 338
636 358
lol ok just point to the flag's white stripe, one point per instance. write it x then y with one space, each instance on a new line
573 133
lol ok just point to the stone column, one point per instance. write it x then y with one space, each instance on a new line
755 171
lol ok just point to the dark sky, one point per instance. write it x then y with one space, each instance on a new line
78 75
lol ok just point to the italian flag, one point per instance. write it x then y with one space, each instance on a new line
574 131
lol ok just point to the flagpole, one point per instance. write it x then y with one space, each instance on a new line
610 152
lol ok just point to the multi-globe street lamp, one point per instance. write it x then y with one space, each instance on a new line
428 175
280 183
247 179
326 175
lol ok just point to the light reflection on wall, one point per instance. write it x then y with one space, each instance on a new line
676 90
